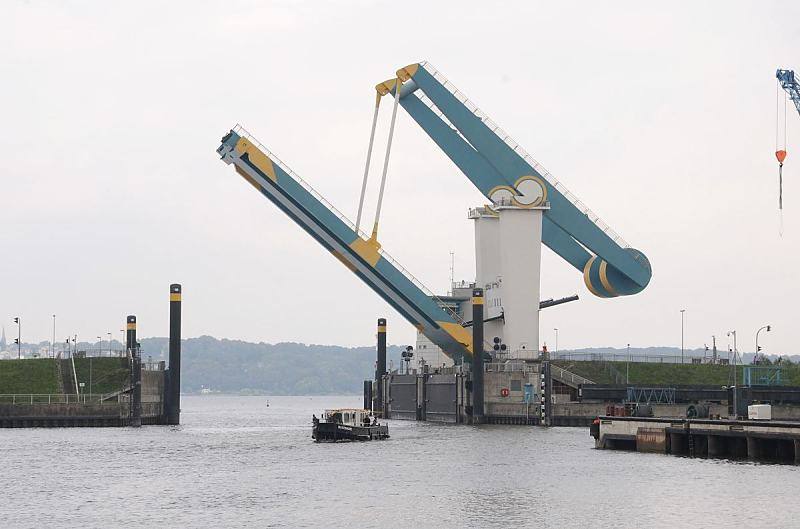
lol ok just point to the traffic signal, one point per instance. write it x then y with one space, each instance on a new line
16 320
16 341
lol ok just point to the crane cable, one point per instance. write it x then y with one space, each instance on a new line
780 150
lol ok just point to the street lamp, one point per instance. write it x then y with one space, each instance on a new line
19 337
100 341
682 313
627 366
556 340
735 389
767 328
109 343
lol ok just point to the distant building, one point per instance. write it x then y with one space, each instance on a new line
3 345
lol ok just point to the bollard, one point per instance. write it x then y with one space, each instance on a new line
380 367
130 336
173 403
477 355
135 358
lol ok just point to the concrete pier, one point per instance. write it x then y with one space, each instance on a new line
767 441
70 410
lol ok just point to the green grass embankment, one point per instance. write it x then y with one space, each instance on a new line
34 375
102 375
644 373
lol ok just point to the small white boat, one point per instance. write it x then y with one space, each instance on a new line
348 424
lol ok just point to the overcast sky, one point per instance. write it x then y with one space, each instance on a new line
661 119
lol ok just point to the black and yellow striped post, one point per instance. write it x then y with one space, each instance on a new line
134 355
477 355
174 393
380 366
130 334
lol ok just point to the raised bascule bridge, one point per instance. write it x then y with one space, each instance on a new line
526 207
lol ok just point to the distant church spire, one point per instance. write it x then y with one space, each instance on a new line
3 340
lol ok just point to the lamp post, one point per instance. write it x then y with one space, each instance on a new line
19 337
100 341
109 343
735 389
682 313
627 366
764 328
556 348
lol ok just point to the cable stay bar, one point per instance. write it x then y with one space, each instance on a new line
385 166
369 157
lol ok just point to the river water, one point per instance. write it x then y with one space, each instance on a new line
235 462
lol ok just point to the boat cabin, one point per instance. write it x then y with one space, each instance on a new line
349 417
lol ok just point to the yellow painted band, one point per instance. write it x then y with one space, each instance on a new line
367 249
587 280
249 178
257 158
407 72
342 259
458 333
174 296
604 279
495 189
381 328
386 86
131 326
477 301
541 200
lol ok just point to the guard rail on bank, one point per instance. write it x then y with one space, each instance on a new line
53 398
640 358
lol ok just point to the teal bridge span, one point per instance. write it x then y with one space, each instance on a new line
492 161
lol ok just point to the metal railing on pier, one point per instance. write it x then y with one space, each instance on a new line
53 398
622 357
568 377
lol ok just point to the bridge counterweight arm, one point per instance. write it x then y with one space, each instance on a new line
626 267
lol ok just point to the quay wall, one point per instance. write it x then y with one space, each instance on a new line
61 410
771 441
